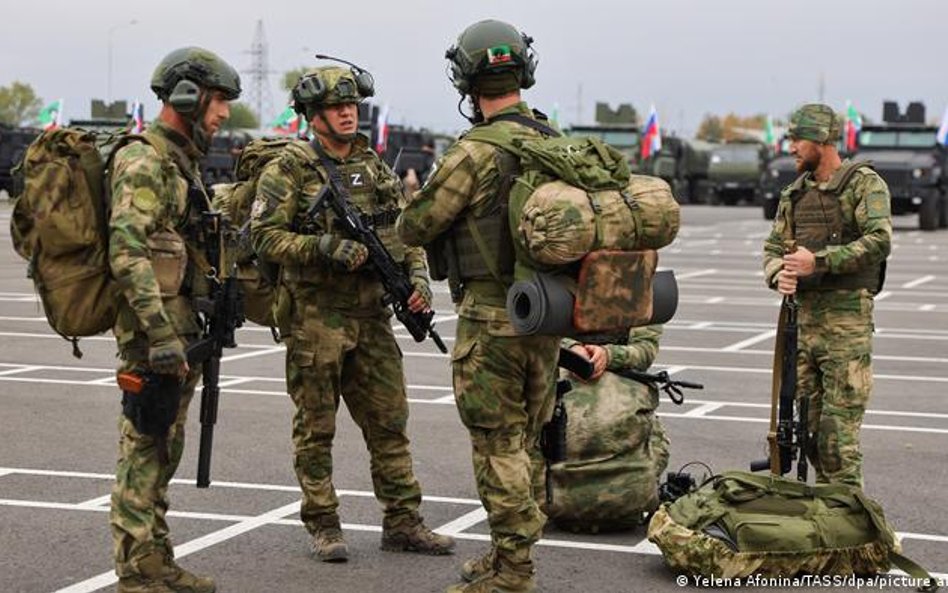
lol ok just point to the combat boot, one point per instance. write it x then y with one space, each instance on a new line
328 544
158 573
504 577
410 534
475 568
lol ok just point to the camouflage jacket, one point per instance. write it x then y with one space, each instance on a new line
282 231
637 353
864 203
464 179
149 193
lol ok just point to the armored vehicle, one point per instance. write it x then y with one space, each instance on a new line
684 165
906 153
734 172
13 142
616 127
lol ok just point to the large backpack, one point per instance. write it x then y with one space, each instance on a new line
575 195
738 524
60 225
616 449
258 280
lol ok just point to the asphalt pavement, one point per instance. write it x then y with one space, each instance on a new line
58 437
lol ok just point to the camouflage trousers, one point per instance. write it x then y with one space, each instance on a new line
140 493
504 389
834 371
331 355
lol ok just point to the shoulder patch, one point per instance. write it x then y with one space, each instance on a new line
144 199
877 205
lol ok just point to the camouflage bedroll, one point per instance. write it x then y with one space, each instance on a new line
60 225
573 195
616 451
738 524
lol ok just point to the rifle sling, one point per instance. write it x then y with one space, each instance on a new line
776 383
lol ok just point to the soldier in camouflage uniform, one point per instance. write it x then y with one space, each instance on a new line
838 213
503 383
339 334
152 234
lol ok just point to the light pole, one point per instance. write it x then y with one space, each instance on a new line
112 30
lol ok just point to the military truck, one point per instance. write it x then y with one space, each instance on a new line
780 172
734 172
616 127
13 143
906 153
684 165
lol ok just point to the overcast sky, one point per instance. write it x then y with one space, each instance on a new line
688 57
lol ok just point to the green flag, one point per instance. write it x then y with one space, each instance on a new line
52 115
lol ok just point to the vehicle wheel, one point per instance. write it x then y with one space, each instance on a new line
943 212
770 209
928 213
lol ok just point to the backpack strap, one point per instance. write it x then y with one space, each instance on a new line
841 177
523 120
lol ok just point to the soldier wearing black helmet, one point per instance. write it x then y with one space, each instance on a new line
503 382
340 343
151 234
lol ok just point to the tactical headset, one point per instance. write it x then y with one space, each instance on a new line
313 89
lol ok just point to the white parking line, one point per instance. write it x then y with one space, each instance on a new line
464 522
918 281
96 503
750 341
696 274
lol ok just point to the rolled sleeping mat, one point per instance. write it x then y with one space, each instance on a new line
542 306
664 296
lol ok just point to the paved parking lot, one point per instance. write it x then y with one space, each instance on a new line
58 436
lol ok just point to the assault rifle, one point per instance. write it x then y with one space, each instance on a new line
221 314
788 438
553 433
661 380
397 287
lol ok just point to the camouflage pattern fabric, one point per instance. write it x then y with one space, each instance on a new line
787 528
503 383
341 346
816 122
834 368
614 291
503 387
617 448
149 198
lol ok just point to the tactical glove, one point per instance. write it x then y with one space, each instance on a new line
345 252
419 281
166 355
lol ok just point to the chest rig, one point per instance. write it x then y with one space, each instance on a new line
818 221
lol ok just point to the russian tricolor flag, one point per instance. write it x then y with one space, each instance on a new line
138 117
651 135
943 129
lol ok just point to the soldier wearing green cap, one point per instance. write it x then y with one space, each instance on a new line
827 248
339 338
503 382
152 236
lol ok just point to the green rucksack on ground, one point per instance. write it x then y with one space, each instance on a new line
60 226
258 280
616 449
738 524
573 195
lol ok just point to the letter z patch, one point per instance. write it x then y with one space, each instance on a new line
355 180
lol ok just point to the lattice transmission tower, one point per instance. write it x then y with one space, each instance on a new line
258 85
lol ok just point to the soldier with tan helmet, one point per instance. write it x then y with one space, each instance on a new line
340 343
838 215
152 231
503 382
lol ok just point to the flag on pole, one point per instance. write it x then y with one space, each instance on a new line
138 117
651 135
853 126
555 115
51 117
289 122
381 126
770 138
943 129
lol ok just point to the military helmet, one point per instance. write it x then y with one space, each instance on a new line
182 74
331 85
492 57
